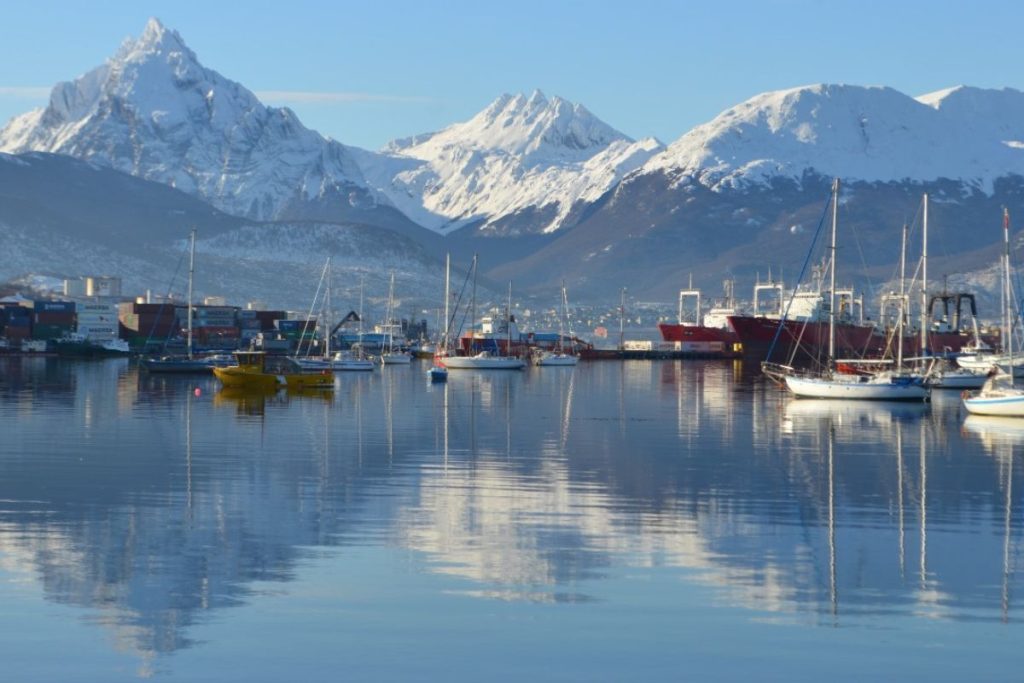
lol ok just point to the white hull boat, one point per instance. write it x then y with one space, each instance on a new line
557 359
482 361
998 397
858 387
395 359
957 378
349 363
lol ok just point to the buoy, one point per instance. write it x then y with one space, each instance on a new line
198 391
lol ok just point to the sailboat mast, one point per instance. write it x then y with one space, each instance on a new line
508 322
622 320
447 296
563 319
472 320
1008 291
903 294
924 278
191 274
390 314
327 313
360 333
832 278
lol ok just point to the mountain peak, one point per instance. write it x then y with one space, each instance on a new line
537 98
154 111
156 39
526 126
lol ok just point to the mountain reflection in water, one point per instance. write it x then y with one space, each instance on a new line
153 503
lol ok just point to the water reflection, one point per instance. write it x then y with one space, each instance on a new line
156 502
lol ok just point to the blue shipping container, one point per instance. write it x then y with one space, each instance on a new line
54 306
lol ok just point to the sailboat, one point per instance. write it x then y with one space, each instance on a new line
558 357
486 360
999 395
438 372
884 386
348 361
187 364
392 354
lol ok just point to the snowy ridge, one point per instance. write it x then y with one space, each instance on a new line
518 153
854 132
154 111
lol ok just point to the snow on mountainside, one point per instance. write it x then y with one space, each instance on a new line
519 154
862 133
62 217
155 112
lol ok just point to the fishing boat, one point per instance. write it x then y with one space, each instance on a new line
257 370
1000 395
78 345
832 384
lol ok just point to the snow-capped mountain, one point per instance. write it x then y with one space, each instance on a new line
155 112
521 155
861 133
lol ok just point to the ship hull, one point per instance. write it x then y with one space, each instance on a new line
757 335
674 332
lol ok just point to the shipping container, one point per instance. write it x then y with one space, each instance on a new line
215 310
18 312
46 318
51 306
19 333
50 331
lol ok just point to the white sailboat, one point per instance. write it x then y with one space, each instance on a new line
885 386
392 354
354 361
558 357
485 360
999 395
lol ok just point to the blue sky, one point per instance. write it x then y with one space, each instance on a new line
365 73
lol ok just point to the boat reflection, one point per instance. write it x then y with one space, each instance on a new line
995 431
849 416
253 402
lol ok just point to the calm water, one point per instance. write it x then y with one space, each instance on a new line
673 520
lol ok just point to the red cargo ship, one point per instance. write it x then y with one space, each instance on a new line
711 334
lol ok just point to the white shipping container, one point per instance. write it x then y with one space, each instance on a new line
95 308
637 345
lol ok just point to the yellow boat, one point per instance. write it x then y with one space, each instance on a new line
257 370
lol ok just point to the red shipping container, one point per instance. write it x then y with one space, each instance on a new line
54 318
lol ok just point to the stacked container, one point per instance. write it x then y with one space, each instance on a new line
17 323
293 329
214 326
97 322
148 321
51 319
268 319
